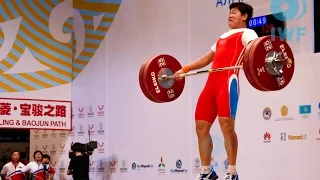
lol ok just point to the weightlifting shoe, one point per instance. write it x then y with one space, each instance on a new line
210 176
231 177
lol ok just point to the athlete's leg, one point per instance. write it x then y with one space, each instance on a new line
227 105
230 141
206 113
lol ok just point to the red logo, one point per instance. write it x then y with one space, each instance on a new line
62 146
53 164
101 145
113 163
91 163
101 108
267 136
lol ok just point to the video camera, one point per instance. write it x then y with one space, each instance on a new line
85 149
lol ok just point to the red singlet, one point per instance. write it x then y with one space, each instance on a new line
221 92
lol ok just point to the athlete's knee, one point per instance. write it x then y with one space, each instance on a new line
227 125
203 128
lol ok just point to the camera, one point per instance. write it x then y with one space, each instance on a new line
86 149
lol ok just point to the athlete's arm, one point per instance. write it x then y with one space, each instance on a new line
202 61
4 171
51 172
248 36
197 64
26 168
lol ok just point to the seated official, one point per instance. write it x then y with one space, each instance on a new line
79 164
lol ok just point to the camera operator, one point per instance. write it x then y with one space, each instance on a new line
79 163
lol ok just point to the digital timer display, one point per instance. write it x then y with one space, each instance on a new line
258 21
266 25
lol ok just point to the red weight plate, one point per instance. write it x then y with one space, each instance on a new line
259 73
162 91
142 84
246 65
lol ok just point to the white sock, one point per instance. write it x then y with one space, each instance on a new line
205 170
232 169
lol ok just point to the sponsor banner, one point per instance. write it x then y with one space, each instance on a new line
35 114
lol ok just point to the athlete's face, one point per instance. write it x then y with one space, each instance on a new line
45 160
236 19
15 156
38 156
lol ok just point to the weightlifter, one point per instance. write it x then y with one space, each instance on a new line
221 91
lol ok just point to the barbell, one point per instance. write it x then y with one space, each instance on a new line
268 64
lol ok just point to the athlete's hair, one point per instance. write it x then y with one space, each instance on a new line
14 152
37 151
46 156
244 8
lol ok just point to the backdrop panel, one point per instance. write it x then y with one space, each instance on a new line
139 139
91 21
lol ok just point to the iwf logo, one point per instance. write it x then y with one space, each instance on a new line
290 9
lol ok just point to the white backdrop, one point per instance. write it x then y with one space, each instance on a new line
141 132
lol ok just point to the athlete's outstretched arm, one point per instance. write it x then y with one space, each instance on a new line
202 61
197 64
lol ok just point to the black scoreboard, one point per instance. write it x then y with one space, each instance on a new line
268 25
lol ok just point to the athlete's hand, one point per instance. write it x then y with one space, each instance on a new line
177 75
